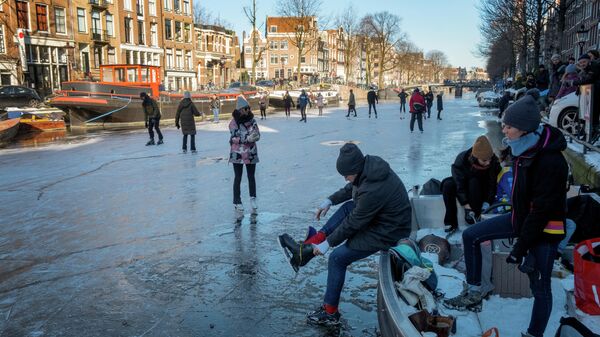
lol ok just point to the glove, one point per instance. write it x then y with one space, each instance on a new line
177 125
146 124
485 206
469 216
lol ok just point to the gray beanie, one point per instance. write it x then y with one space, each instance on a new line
241 102
524 114
571 69
350 161
186 94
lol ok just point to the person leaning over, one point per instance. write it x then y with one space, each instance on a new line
151 118
374 215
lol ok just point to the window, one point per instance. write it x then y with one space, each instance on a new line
178 33
139 7
274 59
23 14
167 5
179 59
60 19
2 44
127 5
176 6
154 34
128 31
188 60
169 59
284 45
152 7
97 57
141 33
81 22
112 59
110 31
41 12
273 45
303 59
273 29
186 7
96 24
187 33
168 30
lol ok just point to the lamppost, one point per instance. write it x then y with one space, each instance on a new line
222 61
582 36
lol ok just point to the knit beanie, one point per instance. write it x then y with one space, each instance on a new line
350 161
241 103
187 94
571 69
482 149
523 114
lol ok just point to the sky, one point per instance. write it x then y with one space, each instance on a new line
451 26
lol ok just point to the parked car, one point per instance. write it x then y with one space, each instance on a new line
265 83
564 114
17 96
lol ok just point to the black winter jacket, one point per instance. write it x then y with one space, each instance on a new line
463 171
372 97
185 116
539 193
382 213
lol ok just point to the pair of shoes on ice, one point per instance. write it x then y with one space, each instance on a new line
151 142
300 253
469 299
239 209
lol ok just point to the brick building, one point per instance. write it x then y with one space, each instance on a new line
217 55
262 54
179 59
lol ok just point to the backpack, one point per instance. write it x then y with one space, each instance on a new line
407 254
571 327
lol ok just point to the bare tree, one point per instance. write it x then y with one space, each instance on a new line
257 55
384 27
348 28
438 61
204 16
302 22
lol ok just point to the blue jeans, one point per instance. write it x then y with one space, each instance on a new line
341 257
570 227
500 227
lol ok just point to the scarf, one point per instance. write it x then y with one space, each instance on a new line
523 143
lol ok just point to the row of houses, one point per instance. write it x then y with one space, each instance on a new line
46 42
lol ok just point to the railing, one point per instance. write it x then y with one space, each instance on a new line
100 35
586 146
99 3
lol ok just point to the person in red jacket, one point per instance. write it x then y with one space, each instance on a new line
417 107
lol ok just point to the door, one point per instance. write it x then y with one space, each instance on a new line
85 63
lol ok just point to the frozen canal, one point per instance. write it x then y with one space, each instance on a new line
103 236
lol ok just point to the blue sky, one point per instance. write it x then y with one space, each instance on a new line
451 26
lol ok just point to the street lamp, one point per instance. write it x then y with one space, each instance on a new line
582 36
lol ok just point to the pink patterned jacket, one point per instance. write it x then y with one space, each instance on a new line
243 145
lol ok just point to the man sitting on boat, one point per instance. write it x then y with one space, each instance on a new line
151 118
538 212
375 214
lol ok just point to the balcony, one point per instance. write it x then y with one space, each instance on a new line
103 4
100 36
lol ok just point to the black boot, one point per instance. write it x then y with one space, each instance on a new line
298 253
150 142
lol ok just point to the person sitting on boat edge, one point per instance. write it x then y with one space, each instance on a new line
151 118
473 183
184 119
538 212
374 215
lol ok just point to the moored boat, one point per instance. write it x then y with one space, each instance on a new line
115 100
330 97
8 130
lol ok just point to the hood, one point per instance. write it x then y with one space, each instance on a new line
551 140
186 102
375 169
237 115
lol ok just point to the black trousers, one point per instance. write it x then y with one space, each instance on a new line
154 123
303 113
287 111
439 112
402 106
477 190
263 113
416 116
374 108
237 180
192 142
351 108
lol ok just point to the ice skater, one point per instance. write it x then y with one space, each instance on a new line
184 119
351 104
372 99
402 96
416 107
151 118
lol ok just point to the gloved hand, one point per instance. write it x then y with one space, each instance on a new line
177 125
146 124
469 216
485 206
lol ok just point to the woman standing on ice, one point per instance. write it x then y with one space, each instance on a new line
538 212
244 135
184 119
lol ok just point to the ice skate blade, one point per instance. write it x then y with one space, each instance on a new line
288 255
